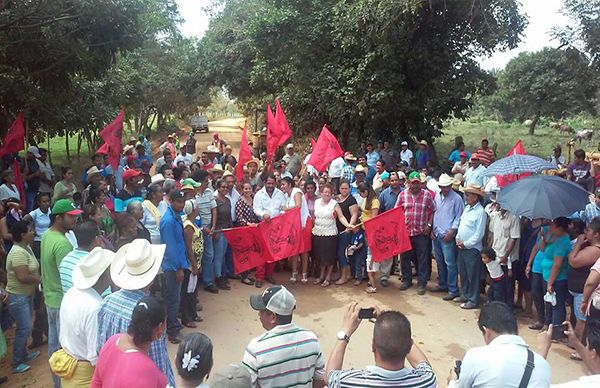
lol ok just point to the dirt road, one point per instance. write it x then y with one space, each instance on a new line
441 329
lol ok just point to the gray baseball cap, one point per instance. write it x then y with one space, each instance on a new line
232 376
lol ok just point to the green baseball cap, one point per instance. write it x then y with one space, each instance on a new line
65 206
190 182
414 176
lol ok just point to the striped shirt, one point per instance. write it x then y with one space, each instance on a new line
66 268
285 356
114 317
420 377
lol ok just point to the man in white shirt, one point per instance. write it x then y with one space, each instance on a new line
234 197
474 174
79 314
406 154
268 202
335 172
506 360
184 156
505 229
47 181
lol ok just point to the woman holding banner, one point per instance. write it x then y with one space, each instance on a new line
349 208
224 221
369 207
325 233
244 216
295 198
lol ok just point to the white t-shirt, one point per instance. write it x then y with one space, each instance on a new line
309 168
303 206
9 192
406 156
335 167
41 222
187 159
495 269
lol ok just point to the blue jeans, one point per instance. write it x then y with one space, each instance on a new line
30 198
419 253
229 270
469 266
219 251
445 255
498 290
21 307
343 242
173 299
556 315
53 336
537 293
207 260
359 259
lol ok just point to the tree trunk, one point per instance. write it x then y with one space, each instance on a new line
67 147
79 142
534 123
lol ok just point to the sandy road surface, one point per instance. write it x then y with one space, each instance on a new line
441 329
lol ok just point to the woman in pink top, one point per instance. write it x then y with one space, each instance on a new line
123 360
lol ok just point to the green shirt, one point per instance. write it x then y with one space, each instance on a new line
55 247
17 257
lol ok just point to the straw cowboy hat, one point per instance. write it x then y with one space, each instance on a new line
474 189
156 179
444 180
255 161
136 264
89 269
217 168
93 170
212 149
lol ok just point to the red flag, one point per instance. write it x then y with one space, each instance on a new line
284 129
14 141
387 235
244 156
112 135
282 235
505 180
272 134
248 247
103 150
325 150
19 180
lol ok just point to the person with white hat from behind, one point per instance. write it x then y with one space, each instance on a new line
133 270
75 362
286 355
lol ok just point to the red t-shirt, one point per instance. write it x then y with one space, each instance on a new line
118 369
486 156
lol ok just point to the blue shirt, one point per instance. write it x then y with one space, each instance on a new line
559 248
475 176
471 228
114 317
387 199
455 156
372 158
171 233
591 211
447 214
536 267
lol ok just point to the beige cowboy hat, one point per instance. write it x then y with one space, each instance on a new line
136 264
474 189
156 179
227 173
216 168
93 170
127 148
445 180
255 161
89 269
360 168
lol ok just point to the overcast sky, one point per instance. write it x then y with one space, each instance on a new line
543 16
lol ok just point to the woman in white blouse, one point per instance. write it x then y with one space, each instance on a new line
8 189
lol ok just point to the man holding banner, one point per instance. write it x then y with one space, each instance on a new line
268 202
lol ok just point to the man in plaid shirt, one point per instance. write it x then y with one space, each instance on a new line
418 207
348 169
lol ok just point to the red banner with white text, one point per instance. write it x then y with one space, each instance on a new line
387 235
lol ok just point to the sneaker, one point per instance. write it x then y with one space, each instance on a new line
421 290
371 290
405 286
212 289
21 368
449 297
258 283
383 282
294 277
32 355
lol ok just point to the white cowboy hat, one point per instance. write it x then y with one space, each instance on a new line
89 269
127 148
136 264
445 180
93 170
156 179
213 149
216 168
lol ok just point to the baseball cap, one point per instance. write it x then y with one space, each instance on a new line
401 175
35 151
232 376
131 173
290 145
414 176
598 192
404 143
65 206
463 154
276 299
190 182
475 156
385 175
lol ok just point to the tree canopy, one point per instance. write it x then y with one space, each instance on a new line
374 67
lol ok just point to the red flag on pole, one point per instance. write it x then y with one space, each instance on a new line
248 247
244 156
505 180
19 180
112 135
272 134
325 150
284 129
14 141
387 235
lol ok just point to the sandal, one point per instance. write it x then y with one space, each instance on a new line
304 279
247 281
325 283
21 368
575 356
318 281
357 282
294 277
371 290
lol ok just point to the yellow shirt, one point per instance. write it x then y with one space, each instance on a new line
365 214
17 257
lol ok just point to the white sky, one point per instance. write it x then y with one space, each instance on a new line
543 16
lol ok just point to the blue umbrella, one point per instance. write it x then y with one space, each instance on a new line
518 164
543 196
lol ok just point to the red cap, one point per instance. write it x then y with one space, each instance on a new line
475 156
463 154
131 173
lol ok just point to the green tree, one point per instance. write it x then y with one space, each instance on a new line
550 82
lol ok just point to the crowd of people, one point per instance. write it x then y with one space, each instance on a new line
109 267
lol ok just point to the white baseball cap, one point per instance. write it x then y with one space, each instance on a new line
35 151
276 299
404 143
